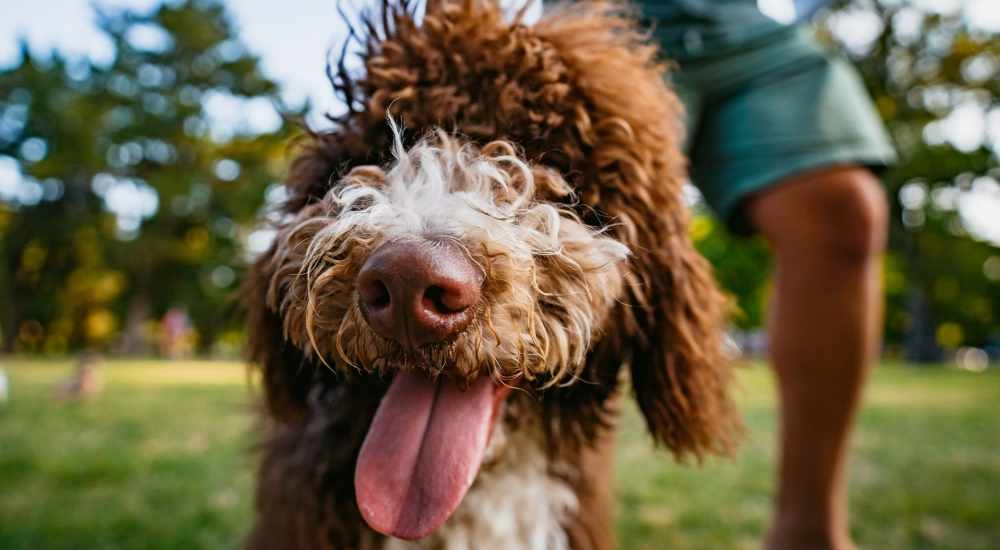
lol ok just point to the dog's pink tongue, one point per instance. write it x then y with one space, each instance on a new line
421 453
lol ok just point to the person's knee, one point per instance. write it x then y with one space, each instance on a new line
856 213
840 214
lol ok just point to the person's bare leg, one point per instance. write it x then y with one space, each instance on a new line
828 231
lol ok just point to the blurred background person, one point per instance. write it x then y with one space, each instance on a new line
176 334
86 380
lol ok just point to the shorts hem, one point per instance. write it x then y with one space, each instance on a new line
730 208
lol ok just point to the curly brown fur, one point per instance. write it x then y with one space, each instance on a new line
300 463
581 95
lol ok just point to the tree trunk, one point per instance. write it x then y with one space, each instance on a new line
8 323
9 308
132 341
921 340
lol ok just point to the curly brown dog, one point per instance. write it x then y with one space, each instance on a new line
443 317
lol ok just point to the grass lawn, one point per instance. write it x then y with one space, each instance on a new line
160 460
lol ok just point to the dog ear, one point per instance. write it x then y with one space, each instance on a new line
319 159
680 375
285 374
626 135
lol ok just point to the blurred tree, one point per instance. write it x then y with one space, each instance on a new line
121 195
742 267
125 196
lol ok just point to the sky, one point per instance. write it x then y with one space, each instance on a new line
292 43
293 38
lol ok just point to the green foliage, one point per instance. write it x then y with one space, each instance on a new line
140 202
741 266
140 466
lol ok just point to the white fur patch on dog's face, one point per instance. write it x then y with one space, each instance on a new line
550 281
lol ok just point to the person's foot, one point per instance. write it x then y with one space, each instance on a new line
799 539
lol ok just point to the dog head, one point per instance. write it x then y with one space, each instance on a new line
537 243
450 262
450 273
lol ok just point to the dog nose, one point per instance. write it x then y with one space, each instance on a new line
419 292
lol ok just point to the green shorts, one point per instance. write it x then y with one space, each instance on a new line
774 109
